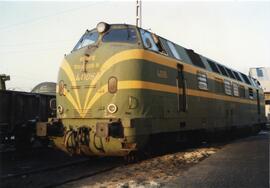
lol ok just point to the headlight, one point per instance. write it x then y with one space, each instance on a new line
112 108
102 27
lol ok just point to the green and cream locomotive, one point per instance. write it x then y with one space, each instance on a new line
122 87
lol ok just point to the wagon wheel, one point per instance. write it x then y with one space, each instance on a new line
23 138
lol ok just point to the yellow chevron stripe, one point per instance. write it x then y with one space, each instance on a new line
149 56
100 93
173 89
122 56
68 71
130 85
136 84
205 94
71 99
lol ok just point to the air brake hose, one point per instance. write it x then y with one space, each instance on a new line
70 135
74 139
101 149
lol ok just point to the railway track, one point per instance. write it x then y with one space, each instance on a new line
87 175
56 175
40 170
11 153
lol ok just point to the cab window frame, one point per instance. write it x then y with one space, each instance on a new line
122 28
166 47
79 46
173 50
154 47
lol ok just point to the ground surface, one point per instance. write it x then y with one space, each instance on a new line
240 163
153 172
244 163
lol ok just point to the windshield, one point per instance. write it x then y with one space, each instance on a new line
87 39
121 35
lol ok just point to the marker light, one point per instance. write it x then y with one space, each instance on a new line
60 109
112 108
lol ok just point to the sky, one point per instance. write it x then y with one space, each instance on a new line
36 35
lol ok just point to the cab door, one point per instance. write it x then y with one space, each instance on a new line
181 89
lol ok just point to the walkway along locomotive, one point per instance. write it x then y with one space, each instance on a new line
122 87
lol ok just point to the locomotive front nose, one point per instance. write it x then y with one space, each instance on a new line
92 91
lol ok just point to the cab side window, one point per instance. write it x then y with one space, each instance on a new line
173 50
148 41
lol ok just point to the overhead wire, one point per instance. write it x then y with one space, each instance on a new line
36 43
48 16
27 80
43 42
53 44
32 50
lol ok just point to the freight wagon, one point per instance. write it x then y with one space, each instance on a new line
19 113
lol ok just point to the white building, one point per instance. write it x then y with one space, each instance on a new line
262 74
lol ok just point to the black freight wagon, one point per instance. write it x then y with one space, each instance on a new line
19 112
